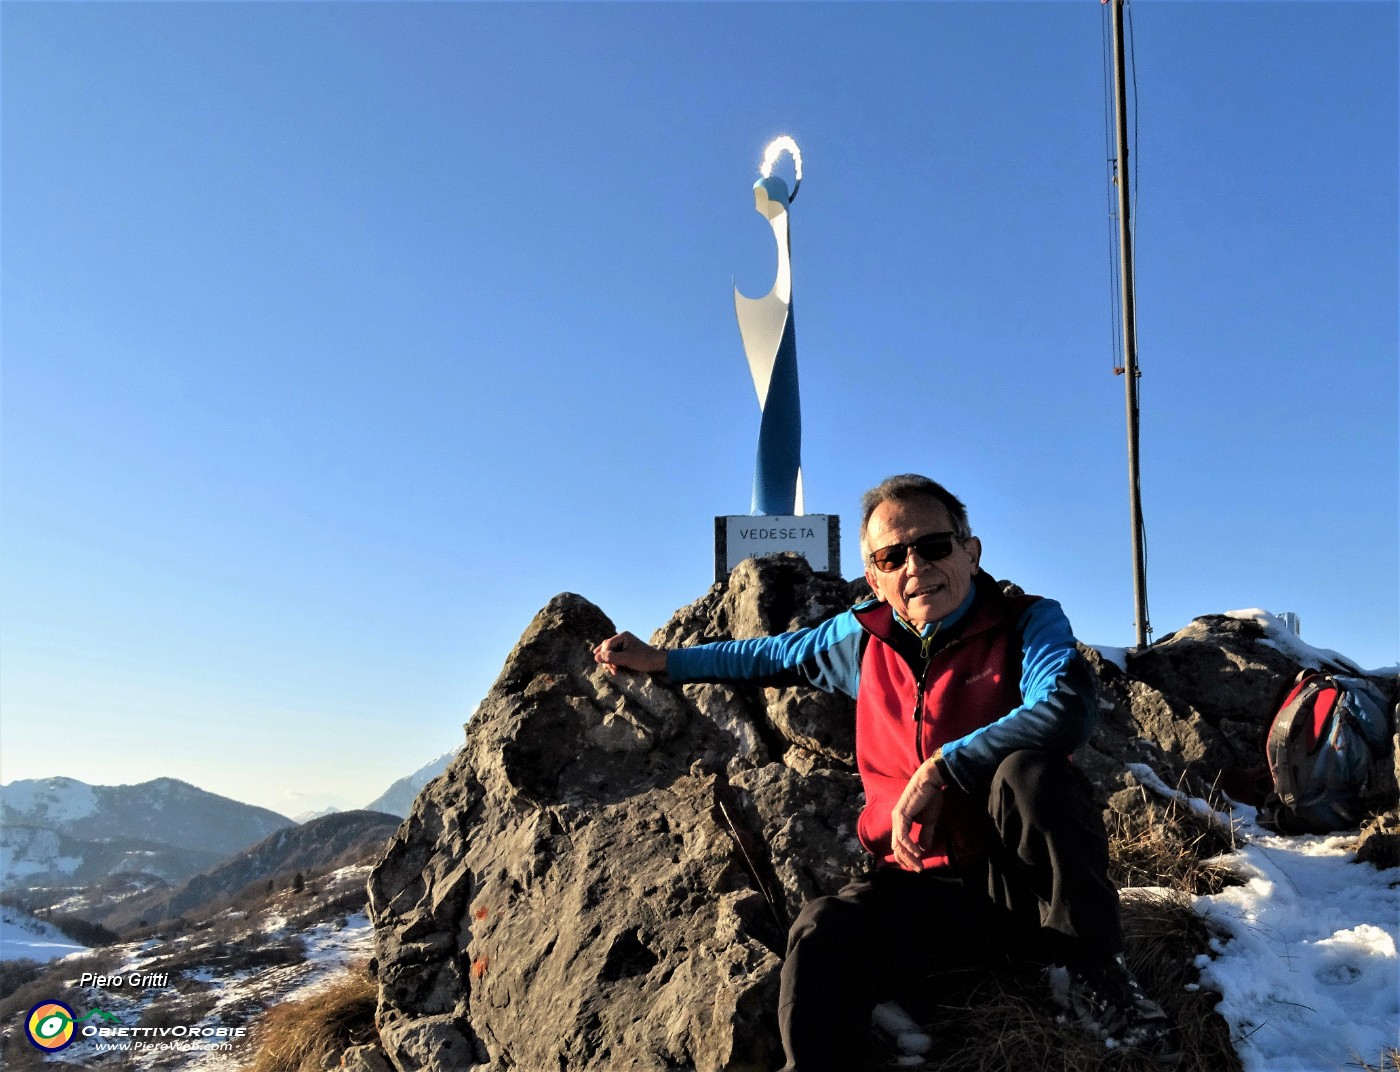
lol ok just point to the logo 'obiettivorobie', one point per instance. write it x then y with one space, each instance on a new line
50 1025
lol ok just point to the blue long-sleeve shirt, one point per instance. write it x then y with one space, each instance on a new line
1058 709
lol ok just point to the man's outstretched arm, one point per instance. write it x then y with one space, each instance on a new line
826 655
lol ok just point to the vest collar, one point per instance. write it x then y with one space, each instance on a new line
979 611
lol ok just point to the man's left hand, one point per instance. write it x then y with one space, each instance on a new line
921 802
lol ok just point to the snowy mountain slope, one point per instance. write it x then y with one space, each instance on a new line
22 937
164 810
219 974
36 856
398 798
63 831
51 802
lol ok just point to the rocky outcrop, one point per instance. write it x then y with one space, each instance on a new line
1196 706
615 857
603 877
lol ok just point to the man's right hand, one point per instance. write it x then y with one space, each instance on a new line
627 652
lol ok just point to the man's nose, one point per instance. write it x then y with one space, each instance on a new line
915 562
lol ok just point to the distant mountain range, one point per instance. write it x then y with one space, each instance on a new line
341 840
60 831
307 816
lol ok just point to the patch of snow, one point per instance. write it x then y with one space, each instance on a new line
307 816
27 850
1278 636
13 869
1150 780
900 1026
1151 894
54 800
1307 970
1305 951
346 874
1057 981
333 947
22 937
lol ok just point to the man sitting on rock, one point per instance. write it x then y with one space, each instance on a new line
968 704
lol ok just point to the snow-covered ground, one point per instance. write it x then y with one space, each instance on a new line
1306 961
22 937
1304 956
330 950
211 977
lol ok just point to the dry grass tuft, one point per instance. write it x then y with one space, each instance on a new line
1164 936
1006 1021
1389 1061
310 1035
1165 843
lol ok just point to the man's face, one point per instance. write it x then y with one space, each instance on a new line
921 592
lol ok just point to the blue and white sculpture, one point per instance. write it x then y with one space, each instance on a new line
771 347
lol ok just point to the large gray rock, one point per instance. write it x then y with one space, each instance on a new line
603 877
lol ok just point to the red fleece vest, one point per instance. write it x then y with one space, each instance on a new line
970 683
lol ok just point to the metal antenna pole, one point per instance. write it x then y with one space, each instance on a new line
1130 369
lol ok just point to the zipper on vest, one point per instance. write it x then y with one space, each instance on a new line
924 653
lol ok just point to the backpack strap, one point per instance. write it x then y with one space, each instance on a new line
1303 711
1281 731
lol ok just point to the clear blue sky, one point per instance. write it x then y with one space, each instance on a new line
339 337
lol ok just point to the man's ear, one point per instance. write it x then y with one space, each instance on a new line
870 580
974 550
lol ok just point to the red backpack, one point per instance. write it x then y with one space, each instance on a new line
1324 748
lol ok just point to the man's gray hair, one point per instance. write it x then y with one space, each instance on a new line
907 487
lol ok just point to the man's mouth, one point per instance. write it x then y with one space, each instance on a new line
925 590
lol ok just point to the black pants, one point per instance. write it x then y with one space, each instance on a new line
1043 894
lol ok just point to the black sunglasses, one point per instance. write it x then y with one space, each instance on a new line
932 546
